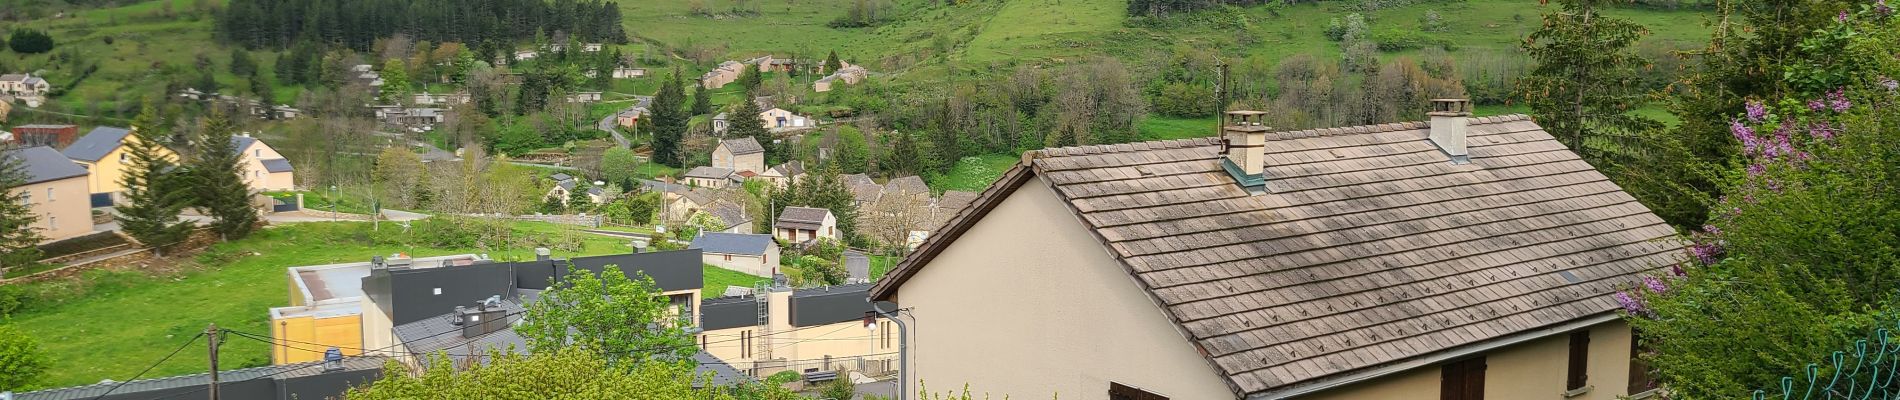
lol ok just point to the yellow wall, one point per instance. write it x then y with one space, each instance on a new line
105 174
1535 370
1040 340
309 336
66 213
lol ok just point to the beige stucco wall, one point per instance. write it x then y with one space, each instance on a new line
802 348
722 157
66 213
986 313
763 266
258 178
1534 370
771 119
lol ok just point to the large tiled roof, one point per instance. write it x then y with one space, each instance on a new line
708 173
1368 249
728 213
733 243
44 164
97 143
806 218
909 185
742 146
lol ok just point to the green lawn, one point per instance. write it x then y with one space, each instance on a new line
1165 128
717 279
974 177
881 265
120 322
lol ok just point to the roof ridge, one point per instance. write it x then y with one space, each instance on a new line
1386 127
1122 147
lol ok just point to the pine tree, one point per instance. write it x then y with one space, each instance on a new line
207 82
669 122
744 122
19 241
153 191
831 62
241 62
750 78
260 87
903 158
217 177
702 101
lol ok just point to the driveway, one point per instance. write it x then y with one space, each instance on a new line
608 124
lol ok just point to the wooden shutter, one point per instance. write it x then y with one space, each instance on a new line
1463 380
1117 391
1579 360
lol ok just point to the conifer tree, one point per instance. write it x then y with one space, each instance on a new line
154 192
831 62
19 241
702 101
218 179
669 121
744 122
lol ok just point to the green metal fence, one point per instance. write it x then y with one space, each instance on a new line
1864 374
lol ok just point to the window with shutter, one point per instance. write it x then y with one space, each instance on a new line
1463 380
1117 391
1640 379
1579 361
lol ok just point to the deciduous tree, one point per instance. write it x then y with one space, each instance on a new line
624 321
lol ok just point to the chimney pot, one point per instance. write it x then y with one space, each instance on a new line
1246 141
1448 127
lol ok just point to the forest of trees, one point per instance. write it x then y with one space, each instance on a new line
490 26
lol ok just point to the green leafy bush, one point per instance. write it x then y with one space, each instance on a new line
21 361
1400 40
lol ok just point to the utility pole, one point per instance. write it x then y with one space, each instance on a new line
211 334
1220 94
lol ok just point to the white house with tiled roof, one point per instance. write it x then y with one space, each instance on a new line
1456 259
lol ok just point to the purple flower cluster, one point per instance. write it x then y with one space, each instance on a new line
1631 304
1746 135
1676 269
1822 131
1837 100
1841 18
1654 284
1781 146
1706 253
1881 8
1756 111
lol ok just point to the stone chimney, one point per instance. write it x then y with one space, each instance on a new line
1244 141
1449 117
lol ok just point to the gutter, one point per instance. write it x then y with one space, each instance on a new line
1436 358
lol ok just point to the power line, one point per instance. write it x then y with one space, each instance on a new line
194 339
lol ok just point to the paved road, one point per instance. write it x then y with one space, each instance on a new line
608 124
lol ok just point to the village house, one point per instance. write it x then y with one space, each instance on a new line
591 47
629 118
24 85
564 185
55 136
54 191
732 217
849 75
584 97
739 155
680 202
409 116
755 255
709 177
102 152
803 224
1467 257
806 330
285 111
625 72
777 119
526 55
425 98
721 122
785 174
263 168
718 77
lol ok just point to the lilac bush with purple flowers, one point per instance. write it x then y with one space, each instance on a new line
1802 249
